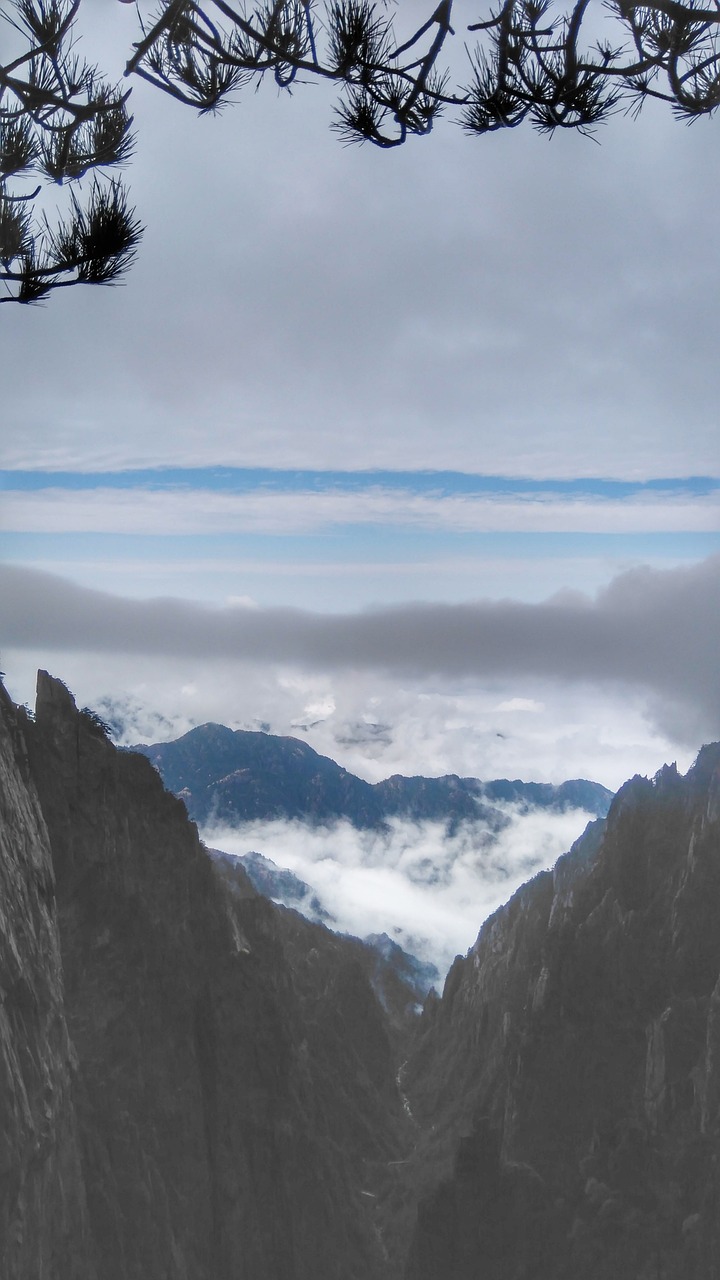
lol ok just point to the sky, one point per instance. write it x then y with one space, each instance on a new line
414 454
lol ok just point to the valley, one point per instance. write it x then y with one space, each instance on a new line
199 1084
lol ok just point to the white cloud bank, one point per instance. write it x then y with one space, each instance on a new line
199 512
652 631
373 725
427 890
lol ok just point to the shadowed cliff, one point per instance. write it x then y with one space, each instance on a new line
43 1222
196 1085
567 1084
230 1080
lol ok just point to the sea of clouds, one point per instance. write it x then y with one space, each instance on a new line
428 889
375 726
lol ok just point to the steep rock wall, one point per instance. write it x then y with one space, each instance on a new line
567 1083
232 1087
43 1224
197 1086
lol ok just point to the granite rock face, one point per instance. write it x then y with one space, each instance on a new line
197 1085
43 1221
192 1091
568 1083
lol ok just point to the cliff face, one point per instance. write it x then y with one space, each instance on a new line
572 1071
43 1225
231 1086
195 1085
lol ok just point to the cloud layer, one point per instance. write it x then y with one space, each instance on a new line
502 304
199 512
427 890
653 630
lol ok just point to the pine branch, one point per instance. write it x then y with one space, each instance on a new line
530 59
60 121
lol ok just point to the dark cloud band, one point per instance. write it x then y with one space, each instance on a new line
655 629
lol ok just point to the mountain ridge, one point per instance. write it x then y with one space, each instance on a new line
215 1063
575 1056
198 1085
238 775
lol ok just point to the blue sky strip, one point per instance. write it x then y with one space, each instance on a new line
436 483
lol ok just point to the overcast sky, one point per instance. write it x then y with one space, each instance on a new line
419 448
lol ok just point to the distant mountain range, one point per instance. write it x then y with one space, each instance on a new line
228 777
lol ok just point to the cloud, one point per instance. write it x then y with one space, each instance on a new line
198 512
495 306
647 643
429 890
500 304
374 725
655 630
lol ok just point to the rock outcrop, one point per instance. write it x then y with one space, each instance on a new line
44 1228
568 1083
192 1090
197 1085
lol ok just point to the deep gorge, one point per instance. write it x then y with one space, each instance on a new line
197 1085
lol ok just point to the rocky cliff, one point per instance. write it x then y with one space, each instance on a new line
195 1085
567 1085
191 1090
43 1221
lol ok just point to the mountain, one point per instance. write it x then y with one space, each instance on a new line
233 776
193 1084
400 981
274 882
567 1085
197 1084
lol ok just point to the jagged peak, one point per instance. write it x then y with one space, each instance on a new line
707 762
53 696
